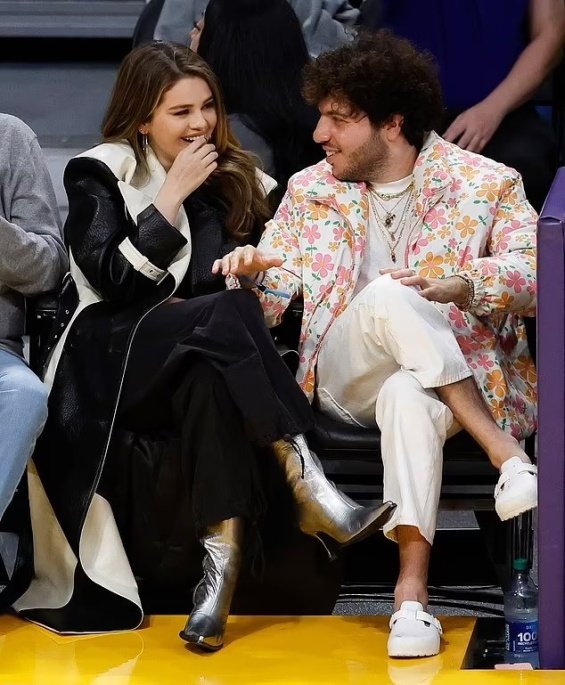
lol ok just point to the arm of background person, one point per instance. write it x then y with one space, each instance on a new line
324 23
473 128
177 19
33 258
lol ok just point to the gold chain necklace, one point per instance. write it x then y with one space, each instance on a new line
393 237
389 215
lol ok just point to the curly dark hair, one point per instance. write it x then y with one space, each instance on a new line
380 75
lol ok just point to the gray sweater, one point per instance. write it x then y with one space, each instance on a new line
323 21
32 254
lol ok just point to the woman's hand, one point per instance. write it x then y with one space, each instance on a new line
245 261
191 168
444 290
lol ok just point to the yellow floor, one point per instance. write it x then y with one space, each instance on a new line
270 650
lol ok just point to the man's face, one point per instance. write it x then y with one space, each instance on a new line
354 148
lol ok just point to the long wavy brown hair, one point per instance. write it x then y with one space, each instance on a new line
145 75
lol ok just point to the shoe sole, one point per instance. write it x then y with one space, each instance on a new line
373 527
199 641
413 652
517 512
413 655
333 547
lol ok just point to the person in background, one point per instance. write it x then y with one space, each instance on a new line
262 87
416 260
493 55
151 344
33 260
325 23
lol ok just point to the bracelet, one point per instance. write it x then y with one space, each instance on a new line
466 305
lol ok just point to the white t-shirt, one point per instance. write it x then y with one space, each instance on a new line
377 250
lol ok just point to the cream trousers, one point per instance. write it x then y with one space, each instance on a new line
380 362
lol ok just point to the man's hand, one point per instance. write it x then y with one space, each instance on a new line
474 127
442 290
245 261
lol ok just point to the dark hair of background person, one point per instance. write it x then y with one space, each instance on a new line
145 75
257 50
380 75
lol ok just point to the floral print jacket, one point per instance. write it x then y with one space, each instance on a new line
472 218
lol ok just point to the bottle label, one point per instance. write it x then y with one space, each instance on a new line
522 636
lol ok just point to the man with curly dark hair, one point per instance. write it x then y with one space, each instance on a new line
416 262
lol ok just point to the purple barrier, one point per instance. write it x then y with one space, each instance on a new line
551 431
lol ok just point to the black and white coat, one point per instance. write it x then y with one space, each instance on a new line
125 260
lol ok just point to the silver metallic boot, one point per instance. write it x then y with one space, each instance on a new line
213 594
324 511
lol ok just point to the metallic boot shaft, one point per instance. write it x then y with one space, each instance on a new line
213 594
324 511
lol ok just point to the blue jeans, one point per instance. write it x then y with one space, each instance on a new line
23 412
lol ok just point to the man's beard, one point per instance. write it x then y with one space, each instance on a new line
366 162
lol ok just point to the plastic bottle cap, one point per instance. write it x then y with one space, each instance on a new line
520 564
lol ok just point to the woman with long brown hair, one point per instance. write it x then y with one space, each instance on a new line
164 384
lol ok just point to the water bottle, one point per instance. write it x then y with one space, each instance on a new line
521 616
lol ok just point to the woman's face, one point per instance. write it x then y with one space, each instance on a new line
186 111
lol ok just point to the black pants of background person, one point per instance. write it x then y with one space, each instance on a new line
527 143
204 395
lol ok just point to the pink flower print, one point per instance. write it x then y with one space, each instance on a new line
452 243
338 232
311 233
455 186
480 333
465 255
322 264
520 405
485 361
436 217
343 275
488 268
420 244
516 281
456 317
283 214
467 344
440 175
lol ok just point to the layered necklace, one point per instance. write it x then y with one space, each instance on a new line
391 229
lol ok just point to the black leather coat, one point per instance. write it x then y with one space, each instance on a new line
82 405
81 432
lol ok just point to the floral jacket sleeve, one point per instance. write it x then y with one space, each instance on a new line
505 279
281 239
